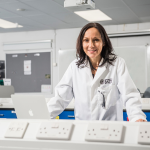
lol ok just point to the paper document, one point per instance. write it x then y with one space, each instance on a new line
27 67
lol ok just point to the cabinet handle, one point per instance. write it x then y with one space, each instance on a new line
70 116
1 115
13 111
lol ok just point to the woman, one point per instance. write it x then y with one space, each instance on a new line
98 80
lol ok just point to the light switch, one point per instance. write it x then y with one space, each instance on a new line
16 130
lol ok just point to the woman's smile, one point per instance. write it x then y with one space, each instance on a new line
91 51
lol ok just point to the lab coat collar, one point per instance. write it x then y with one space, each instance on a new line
99 73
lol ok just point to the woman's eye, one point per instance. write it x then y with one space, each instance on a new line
86 40
96 40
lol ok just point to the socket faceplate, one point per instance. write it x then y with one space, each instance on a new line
104 132
144 134
55 131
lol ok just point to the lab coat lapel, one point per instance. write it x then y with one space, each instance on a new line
98 74
101 72
88 71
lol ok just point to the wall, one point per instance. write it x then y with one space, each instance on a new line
28 36
66 39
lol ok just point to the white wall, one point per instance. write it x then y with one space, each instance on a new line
66 39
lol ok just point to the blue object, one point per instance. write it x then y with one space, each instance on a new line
146 113
70 115
8 114
67 114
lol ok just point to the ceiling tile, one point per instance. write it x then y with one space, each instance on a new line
25 22
141 11
46 6
121 15
12 7
49 21
7 14
137 2
61 2
108 3
69 17
7 1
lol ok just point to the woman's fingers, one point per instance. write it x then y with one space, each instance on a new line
141 120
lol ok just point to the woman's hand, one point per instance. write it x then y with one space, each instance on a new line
141 120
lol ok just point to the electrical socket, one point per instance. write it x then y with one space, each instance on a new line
16 130
104 132
55 130
144 134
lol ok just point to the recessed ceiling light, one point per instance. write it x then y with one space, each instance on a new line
7 24
93 15
20 9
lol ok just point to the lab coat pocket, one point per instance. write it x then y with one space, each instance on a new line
109 96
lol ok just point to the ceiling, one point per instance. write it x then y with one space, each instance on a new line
51 14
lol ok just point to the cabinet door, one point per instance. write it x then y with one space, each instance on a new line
125 116
7 114
146 113
67 115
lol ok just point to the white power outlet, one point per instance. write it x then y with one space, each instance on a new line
104 132
144 134
55 130
16 130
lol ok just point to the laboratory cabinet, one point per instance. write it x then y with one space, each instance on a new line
7 113
67 114
147 113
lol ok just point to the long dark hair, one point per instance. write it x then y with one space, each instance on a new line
107 51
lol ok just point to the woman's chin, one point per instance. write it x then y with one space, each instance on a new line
92 56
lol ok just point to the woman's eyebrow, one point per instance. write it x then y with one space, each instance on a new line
85 37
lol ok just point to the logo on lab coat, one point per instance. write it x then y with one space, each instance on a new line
102 81
105 81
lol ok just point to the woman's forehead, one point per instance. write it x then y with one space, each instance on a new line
92 32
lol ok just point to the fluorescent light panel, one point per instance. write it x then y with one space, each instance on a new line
7 24
93 15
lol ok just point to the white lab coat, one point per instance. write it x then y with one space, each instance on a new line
114 82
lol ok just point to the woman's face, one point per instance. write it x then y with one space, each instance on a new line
92 43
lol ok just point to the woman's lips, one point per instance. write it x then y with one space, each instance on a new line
91 51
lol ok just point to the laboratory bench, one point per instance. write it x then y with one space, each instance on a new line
7 111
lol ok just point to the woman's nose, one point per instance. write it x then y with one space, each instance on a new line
91 44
